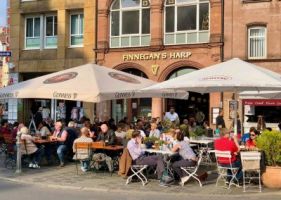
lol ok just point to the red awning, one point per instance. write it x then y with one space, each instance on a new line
262 102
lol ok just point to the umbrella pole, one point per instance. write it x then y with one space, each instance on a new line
235 112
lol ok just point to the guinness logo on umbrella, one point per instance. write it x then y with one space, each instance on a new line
61 78
122 77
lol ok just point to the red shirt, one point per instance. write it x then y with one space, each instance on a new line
250 143
225 144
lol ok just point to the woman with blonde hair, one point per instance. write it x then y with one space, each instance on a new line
29 148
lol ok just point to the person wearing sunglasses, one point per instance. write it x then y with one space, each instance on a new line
251 143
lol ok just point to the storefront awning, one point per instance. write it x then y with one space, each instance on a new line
262 102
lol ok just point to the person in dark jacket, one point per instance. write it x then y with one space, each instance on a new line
220 121
106 135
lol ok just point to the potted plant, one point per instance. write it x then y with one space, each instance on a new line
199 131
149 141
270 143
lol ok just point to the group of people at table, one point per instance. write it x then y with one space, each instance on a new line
66 138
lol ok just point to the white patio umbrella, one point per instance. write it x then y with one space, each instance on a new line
260 95
88 83
234 75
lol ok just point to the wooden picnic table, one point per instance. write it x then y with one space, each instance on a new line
44 141
102 146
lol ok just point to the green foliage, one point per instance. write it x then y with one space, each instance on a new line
167 124
150 139
270 143
184 129
199 131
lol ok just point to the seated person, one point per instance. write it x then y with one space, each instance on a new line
120 133
246 136
169 137
138 157
88 125
225 143
187 156
29 148
154 132
43 130
60 135
83 154
107 136
251 143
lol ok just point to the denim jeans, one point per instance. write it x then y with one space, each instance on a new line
85 164
37 155
61 150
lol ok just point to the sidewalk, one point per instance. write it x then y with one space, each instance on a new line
67 178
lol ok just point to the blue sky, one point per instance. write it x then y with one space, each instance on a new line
3 12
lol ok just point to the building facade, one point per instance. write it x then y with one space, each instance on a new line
49 36
252 32
159 40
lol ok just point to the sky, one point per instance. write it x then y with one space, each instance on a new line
3 12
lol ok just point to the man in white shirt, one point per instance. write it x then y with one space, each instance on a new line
172 115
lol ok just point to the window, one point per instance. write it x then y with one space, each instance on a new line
51 31
32 33
130 23
38 36
257 42
186 21
76 29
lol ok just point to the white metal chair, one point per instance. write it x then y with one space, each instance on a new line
223 169
192 171
251 167
137 171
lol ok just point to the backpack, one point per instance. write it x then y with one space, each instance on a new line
166 178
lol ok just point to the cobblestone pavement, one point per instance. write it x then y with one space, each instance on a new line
67 177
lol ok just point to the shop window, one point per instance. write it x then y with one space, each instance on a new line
186 21
130 23
38 36
257 42
76 30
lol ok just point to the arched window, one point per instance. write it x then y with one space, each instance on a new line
129 23
179 72
187 21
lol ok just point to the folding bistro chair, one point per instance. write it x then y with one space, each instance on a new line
192 171
251 167
83 148
222 169
137 171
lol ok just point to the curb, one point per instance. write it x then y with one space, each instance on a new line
125 190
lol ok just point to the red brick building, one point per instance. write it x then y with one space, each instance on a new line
252 32
159 40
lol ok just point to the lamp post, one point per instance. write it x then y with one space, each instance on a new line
18 170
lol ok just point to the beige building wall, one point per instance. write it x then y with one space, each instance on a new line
64 56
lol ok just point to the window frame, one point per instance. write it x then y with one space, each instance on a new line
186 32
249 41
45 30
80 33
121 35
25 32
